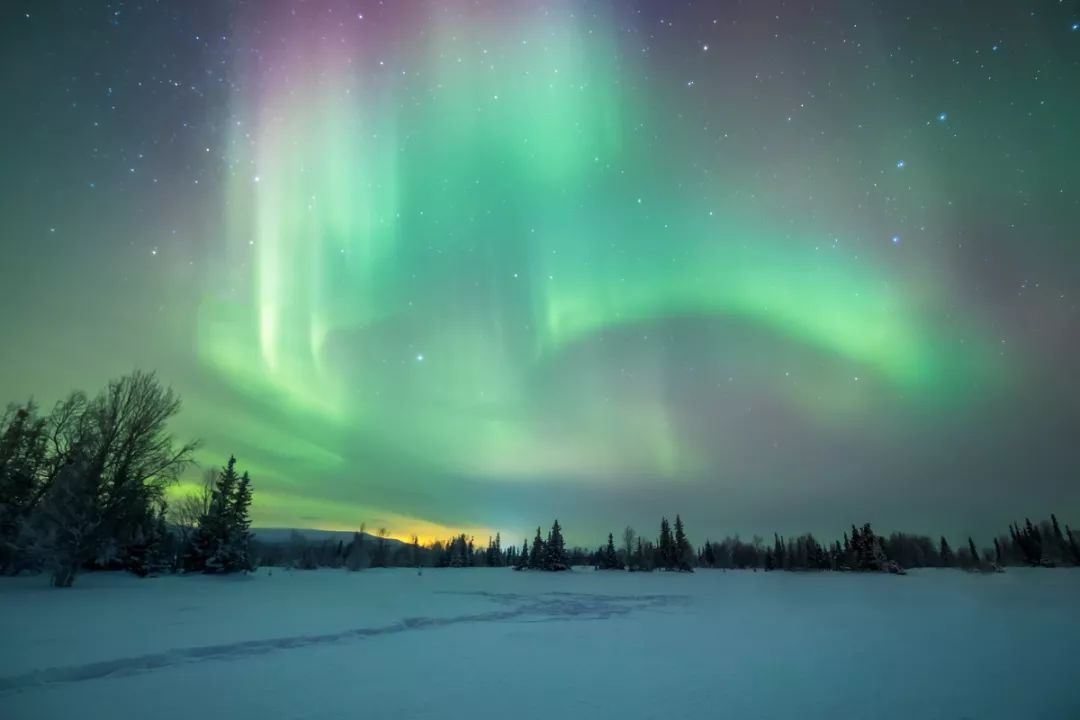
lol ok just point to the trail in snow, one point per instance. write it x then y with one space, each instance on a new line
529 608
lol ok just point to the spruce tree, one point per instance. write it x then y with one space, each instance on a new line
1059 538
212 542
682 548
777 557
554 558
609 559
945 553
709 555
974 553
1074 546
536 554
666 549
240 530
523 557
222 541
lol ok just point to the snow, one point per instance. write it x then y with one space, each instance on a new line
492 643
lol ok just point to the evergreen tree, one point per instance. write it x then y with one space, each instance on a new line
1074 546
211 543
536 554
667 546
709 555
683 551
1029 541
997 553
523 558
554 558
1059 538
974 553
608 558
240 530
222 541
777 557
945 553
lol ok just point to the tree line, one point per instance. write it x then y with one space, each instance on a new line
857 550
83 488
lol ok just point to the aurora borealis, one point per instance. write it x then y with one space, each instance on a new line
442 264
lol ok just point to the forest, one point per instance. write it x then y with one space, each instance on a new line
83 487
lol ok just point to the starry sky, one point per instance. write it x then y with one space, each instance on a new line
448 264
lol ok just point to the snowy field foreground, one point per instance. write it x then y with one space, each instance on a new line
492 643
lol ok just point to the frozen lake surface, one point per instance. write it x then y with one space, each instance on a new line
492 643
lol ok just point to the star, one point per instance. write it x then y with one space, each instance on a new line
895 239
420 357
900 164
942 117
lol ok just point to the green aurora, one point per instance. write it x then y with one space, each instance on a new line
471 265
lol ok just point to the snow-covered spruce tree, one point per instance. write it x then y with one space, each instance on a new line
222 543
554 559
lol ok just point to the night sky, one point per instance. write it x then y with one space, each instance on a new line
475 265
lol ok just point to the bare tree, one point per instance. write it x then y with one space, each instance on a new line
118 446
187 512
380 549
628 539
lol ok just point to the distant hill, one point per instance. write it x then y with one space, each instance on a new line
284 535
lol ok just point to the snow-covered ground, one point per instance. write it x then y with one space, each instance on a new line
492 643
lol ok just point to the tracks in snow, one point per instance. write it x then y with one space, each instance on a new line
546 607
